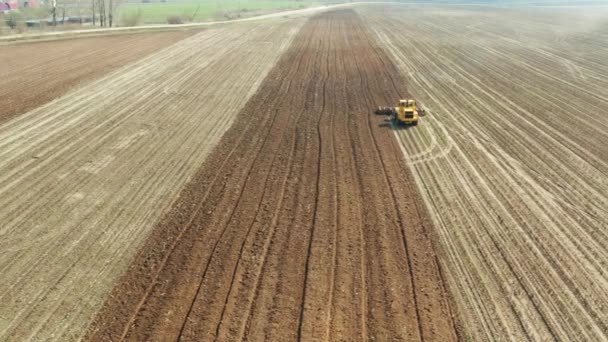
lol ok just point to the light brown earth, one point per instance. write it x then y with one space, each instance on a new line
512 160
303 225
84 178
34 74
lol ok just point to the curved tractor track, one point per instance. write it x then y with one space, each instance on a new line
303 224
512 161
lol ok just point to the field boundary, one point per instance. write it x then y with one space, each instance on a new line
49 36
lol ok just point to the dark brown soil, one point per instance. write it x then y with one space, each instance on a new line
304 223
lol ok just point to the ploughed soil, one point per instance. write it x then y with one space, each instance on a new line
85 178
304 223
33 74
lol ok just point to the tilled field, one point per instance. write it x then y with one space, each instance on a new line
36 73
303 224
84 178
236 186
512 161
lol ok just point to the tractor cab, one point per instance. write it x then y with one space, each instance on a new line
407 104
407 108
406 113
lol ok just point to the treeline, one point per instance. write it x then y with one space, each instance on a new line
103 12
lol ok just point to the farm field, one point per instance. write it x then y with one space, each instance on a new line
84 178
512 161
303 226
34 74
202 10
235 184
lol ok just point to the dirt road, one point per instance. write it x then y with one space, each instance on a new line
84 178
36 73
512 161
303 225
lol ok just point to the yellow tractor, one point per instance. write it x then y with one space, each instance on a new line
407 113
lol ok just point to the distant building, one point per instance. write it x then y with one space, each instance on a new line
6 6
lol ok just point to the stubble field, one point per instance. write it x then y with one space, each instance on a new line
512 160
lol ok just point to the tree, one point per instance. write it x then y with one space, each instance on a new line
54 11
102 12
93 11
105 12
